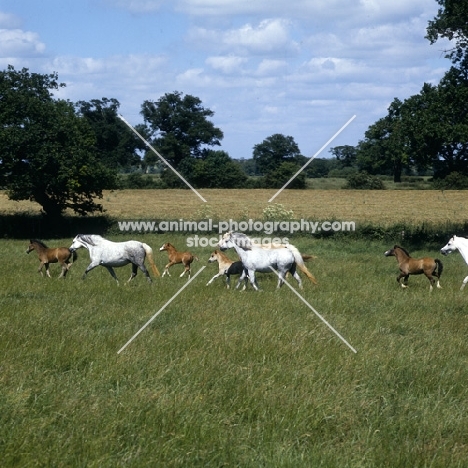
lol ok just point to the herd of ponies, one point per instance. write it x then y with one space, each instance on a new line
283 259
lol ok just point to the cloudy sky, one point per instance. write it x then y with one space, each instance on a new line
301 68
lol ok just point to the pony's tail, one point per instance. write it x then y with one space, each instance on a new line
440 267
74 255
300 263
306 257
149 254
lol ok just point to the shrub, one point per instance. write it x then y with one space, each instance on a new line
454 181
277 212
364 181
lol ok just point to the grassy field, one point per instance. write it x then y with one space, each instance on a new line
362 206
230 378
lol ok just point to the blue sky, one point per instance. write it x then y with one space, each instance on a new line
301 68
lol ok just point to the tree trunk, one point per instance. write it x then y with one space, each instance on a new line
397 171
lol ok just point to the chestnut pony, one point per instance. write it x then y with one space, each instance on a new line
415 266
175 257
47 255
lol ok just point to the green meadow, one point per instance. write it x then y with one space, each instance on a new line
231 378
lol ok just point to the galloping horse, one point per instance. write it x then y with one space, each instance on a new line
415 266
176 257
283 259
228 267
460 244
48 255
115 254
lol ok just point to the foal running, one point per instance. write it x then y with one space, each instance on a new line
175 257
415 266
47 255
228 267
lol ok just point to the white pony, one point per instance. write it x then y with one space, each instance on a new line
254 258
115 254
460 244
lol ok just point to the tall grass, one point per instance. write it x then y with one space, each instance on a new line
231 378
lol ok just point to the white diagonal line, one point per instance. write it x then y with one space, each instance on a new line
162 159
312 158
161 309
315 312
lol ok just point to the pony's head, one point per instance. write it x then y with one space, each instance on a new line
81 240
33 243
450 246
231 239
213 257
165 246
392 252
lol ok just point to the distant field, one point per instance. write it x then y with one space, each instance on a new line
383 207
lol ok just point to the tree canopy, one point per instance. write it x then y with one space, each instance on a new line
116 144
46 150
273 151
179 128
451 23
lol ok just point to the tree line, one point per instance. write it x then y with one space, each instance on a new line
62 155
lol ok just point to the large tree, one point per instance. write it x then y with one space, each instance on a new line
384 148
436 122
451 23
116 144
179 127
275 150
46 150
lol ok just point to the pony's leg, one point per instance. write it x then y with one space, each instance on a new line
47 269
404 284
253 280
64 271
432 281
298 279
186 270
90 267
112 272
39 270
212 279
243 277
143 269
228 281
166 269
281 279
296 276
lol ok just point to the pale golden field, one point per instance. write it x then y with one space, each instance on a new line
383 207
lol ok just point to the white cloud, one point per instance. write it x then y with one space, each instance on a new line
9 21
15 42
228 64
269 37
268 67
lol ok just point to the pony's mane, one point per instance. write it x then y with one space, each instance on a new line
222 255
89 238
37 241
403 249
245 241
